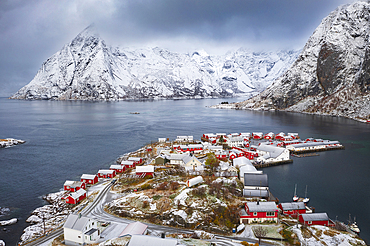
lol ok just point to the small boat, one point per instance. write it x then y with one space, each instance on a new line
306 199
295 197
353 225
134 113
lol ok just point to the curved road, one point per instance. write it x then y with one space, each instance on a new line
95 210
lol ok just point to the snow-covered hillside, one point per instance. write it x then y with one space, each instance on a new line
331 75
89 69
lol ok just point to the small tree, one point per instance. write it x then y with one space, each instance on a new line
221 140
259 232
212 162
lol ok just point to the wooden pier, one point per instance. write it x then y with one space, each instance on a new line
305 155
295 152
270 164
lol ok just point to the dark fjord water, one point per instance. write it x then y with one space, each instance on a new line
66 139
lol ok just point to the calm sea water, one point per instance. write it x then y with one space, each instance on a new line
66 139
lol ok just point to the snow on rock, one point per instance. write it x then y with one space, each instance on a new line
4 211
153 206
326 236
89 69
8 142
181 213
331 74
240 227
8 222
204 234
181 198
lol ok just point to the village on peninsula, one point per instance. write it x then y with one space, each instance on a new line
196 192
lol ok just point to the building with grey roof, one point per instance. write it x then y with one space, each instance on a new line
315 219
80 230
255 181
140 240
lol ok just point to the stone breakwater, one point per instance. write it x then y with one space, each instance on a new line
8 142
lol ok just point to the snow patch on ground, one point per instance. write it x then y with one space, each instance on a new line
181 198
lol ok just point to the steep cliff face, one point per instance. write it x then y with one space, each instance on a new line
88 69
331 75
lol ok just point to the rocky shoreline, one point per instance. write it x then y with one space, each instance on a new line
8 142
238 106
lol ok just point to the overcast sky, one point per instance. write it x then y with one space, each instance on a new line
33 30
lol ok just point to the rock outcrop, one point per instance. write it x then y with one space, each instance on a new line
331 75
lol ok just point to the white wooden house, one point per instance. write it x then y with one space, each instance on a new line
80 230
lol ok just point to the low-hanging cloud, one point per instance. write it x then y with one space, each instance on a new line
31 31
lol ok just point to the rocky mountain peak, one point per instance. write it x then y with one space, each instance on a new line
88 69
331 74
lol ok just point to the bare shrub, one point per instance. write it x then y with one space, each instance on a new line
162 186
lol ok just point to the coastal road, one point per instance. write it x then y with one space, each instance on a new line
96 210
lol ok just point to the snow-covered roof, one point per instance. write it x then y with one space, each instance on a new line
190 146
76 222
176 156
274 151
135 228
116 167
134 159
127 162
106 171
257 180
72 183
77 194
139 240
145 169
188 158
241 161
68 182
315 217
292 205
311 144
236 139
88 176
262 206
248 169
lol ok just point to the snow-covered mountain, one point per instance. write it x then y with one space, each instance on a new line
332 73
89 69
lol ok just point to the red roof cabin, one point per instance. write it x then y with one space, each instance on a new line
136 160
117 168
269 136
315 219
235 153
257 135
105 173
74 186
76 197
292 208
89 179
128 164
144 171
259 212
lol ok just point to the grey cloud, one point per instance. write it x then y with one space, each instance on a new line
31 31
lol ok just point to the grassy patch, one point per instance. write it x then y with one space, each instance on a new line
330 233
156 197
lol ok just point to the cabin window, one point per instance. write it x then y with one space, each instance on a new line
270 213
309 222
254 213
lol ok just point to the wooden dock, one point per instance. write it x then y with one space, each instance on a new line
316 150
260 165
305 155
